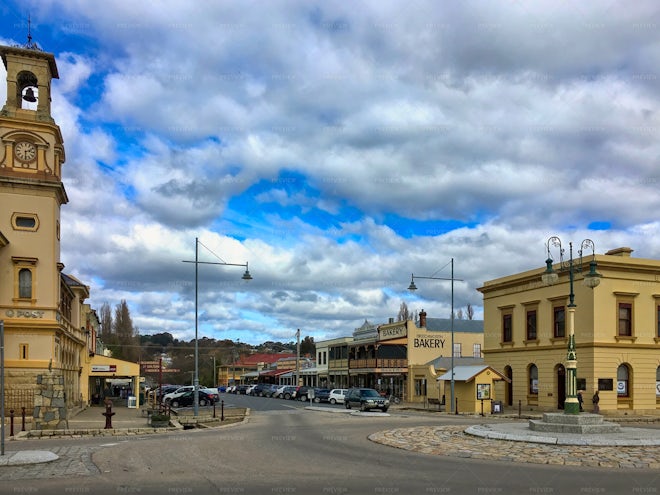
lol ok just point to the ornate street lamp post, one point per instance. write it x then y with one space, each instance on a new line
246 276
413 287
591 280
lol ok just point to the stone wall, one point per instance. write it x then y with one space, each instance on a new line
50 410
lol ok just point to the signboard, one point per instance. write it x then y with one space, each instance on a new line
386 333
605 384
483 391
622 387
104 368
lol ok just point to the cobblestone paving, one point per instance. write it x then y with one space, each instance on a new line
73 461
452 441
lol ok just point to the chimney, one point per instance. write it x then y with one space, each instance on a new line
422 319
622 251
390 320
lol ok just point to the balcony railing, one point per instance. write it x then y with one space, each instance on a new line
378 363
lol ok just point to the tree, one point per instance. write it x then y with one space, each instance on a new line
459 314
126 336
470 312
307 346
404 314
105 317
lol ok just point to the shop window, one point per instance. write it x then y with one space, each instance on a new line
531 325
559 322
476 350
507 327
625 320
533 379
623 381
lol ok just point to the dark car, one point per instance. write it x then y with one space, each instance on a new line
241 389
321 395
302 393
366 399
289 392
188 398
260 389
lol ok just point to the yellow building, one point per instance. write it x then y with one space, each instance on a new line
47 335
400 357
617 335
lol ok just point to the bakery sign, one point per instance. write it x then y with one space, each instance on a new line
387 333
104 368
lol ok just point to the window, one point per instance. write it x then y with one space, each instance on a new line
23 351
531 324
420 386
476 350
25 221
457 350
657 321
25 283
533 379
559 322
625 319
507 327
623 381
657 382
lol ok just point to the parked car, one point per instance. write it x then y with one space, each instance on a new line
280 390
250 388
271 390
302 393
259 389
212 393
337 395
241 389
289 392
366 399
177 392
157 394
188 398
321 395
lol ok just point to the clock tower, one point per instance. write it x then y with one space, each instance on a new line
38 303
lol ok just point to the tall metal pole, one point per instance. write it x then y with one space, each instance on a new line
571 404
297 357
196 377
452 335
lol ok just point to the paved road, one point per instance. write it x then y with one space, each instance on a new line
292 450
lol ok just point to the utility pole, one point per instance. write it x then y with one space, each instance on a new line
298 357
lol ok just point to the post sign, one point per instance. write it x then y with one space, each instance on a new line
104 368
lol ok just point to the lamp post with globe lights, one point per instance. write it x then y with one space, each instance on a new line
591 280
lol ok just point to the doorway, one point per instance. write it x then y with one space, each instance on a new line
561 386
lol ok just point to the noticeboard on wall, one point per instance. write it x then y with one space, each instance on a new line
483 391
605 384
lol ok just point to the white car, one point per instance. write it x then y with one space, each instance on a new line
337 395
180 391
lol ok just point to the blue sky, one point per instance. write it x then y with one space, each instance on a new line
338 147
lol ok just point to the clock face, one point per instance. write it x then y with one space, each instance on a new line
25 151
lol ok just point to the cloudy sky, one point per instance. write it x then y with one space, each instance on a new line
339 147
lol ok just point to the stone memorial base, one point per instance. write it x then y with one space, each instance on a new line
584 423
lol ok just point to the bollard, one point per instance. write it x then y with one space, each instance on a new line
456 409
108 416
11 422
222 410
22 419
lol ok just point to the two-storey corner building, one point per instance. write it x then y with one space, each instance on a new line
328 362
400 357
617 335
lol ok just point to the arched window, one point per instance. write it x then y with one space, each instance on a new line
623 381
657 382
533 379
25 283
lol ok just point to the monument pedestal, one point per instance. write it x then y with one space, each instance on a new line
582 424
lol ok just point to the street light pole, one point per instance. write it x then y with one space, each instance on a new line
413 287
591 280
246 276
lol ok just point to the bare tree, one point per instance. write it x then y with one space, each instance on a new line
105 317
404 314
459 314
